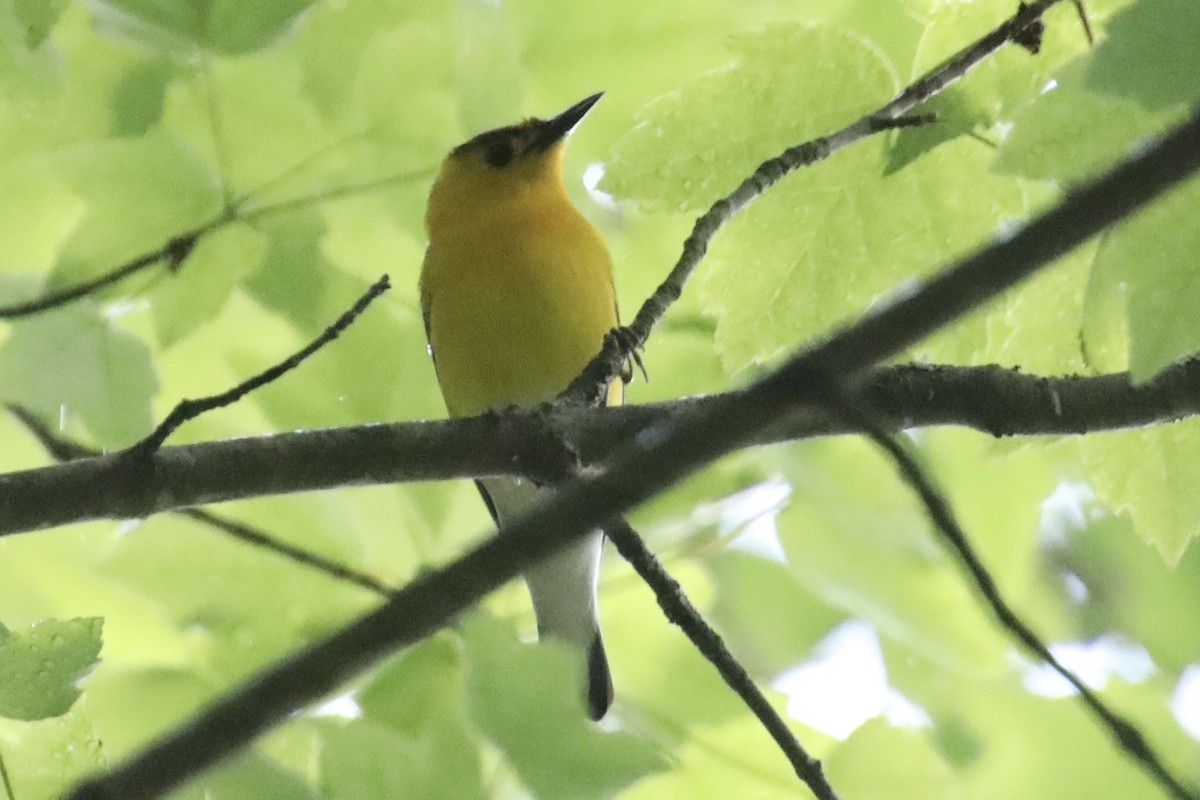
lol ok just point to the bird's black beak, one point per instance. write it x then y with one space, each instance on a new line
555 128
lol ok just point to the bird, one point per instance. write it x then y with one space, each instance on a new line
517 294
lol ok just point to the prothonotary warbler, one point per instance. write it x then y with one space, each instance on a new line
517 293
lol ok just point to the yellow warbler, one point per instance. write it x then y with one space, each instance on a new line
517 293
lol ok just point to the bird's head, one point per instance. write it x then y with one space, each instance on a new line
519 164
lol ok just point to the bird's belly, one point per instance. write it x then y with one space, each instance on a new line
517 330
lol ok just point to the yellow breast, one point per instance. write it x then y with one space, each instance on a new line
516 303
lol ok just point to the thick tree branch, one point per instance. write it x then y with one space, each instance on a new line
653 461
995 400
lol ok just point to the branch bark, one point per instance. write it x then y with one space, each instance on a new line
995 400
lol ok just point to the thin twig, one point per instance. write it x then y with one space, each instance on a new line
64 449
294 169
8 789
249 213
1084 21
177 249
1126 735
679 610
607 363
646 466
173 252
299 555
190 409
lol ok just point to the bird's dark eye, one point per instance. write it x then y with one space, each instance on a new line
498 154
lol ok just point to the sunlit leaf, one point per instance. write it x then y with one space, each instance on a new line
1145 473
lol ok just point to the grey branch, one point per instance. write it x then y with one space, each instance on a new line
995 400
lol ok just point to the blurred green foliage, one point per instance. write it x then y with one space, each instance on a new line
125 123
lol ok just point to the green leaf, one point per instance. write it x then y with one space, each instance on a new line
248 776
880 760
44 759
1065 754
26 68
140 193
362 758
245 627
39 667
1153 256
38 17
604 47
222 26
997 87
127 706
734 759
855 537
195 292
1057 136
527 701
765 616
696 144
75 363
1039 326
37 214
829 241
364 386
252 118
1131 591
770 280
421 696
1150 55
1147 474
423 683
350 56
656 669
77 87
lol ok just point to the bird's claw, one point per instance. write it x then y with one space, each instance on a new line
627 341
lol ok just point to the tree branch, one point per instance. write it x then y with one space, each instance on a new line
648 464
679 610
186 410
995 400
64 449
591 383
1125 734
175 251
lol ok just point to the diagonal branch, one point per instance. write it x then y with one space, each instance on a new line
187 410
679 610
647 465
607 363
175 252
1125 733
